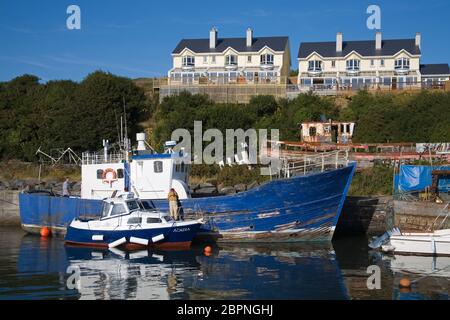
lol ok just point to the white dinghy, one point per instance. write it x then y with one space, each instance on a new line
435 243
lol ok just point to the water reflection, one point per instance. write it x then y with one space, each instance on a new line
35 268
429 276
132 275
231 272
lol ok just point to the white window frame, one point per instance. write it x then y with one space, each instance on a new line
267 59
188 61
353 65
402 63
315 65
229 60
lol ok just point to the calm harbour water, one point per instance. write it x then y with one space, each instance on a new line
35 268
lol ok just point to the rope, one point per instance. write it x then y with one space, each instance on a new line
428 275
439 215
6 201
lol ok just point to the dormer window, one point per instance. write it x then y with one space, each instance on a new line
353 66
188 62
402 65
315 66
231 60
267 60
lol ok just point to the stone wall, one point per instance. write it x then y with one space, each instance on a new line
9 208
414 216
365 216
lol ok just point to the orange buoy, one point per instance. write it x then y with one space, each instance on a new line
45 232
405 283
207 250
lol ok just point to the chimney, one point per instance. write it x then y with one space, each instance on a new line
213 38
378 41
418 40
339 42
249 37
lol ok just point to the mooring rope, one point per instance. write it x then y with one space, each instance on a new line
9 202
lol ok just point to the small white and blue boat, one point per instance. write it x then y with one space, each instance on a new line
128 223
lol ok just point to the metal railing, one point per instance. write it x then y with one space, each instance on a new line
232 81
226 93
399 86
99 157
294 166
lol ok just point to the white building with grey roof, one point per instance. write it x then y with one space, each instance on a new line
216 60
371 64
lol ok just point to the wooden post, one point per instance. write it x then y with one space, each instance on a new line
337 159
304 164
323 163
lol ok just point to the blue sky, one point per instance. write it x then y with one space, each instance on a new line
135 38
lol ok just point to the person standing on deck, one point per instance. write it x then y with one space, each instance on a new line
173 203
65 188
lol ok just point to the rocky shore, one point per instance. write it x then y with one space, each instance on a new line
53 185
204 189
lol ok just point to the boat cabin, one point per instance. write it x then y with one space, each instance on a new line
327 132
150 175
139 212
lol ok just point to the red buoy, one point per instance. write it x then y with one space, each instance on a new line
207 250
45 232
405 283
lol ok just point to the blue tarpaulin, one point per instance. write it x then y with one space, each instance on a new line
417 178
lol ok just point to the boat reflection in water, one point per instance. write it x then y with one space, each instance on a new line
116 274
254 272
297 271
429 276
46 269
294 271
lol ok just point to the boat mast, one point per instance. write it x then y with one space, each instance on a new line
126 141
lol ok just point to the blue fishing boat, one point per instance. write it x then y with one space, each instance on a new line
302 203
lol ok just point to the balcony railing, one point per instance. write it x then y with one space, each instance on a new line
231 66
349 87
314 71
239 80
267 65
402 69
353 70
188 66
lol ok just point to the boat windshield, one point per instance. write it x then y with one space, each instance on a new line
105 209
147 205
132 205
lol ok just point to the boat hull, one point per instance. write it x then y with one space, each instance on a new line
422 245
174 237
302 208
